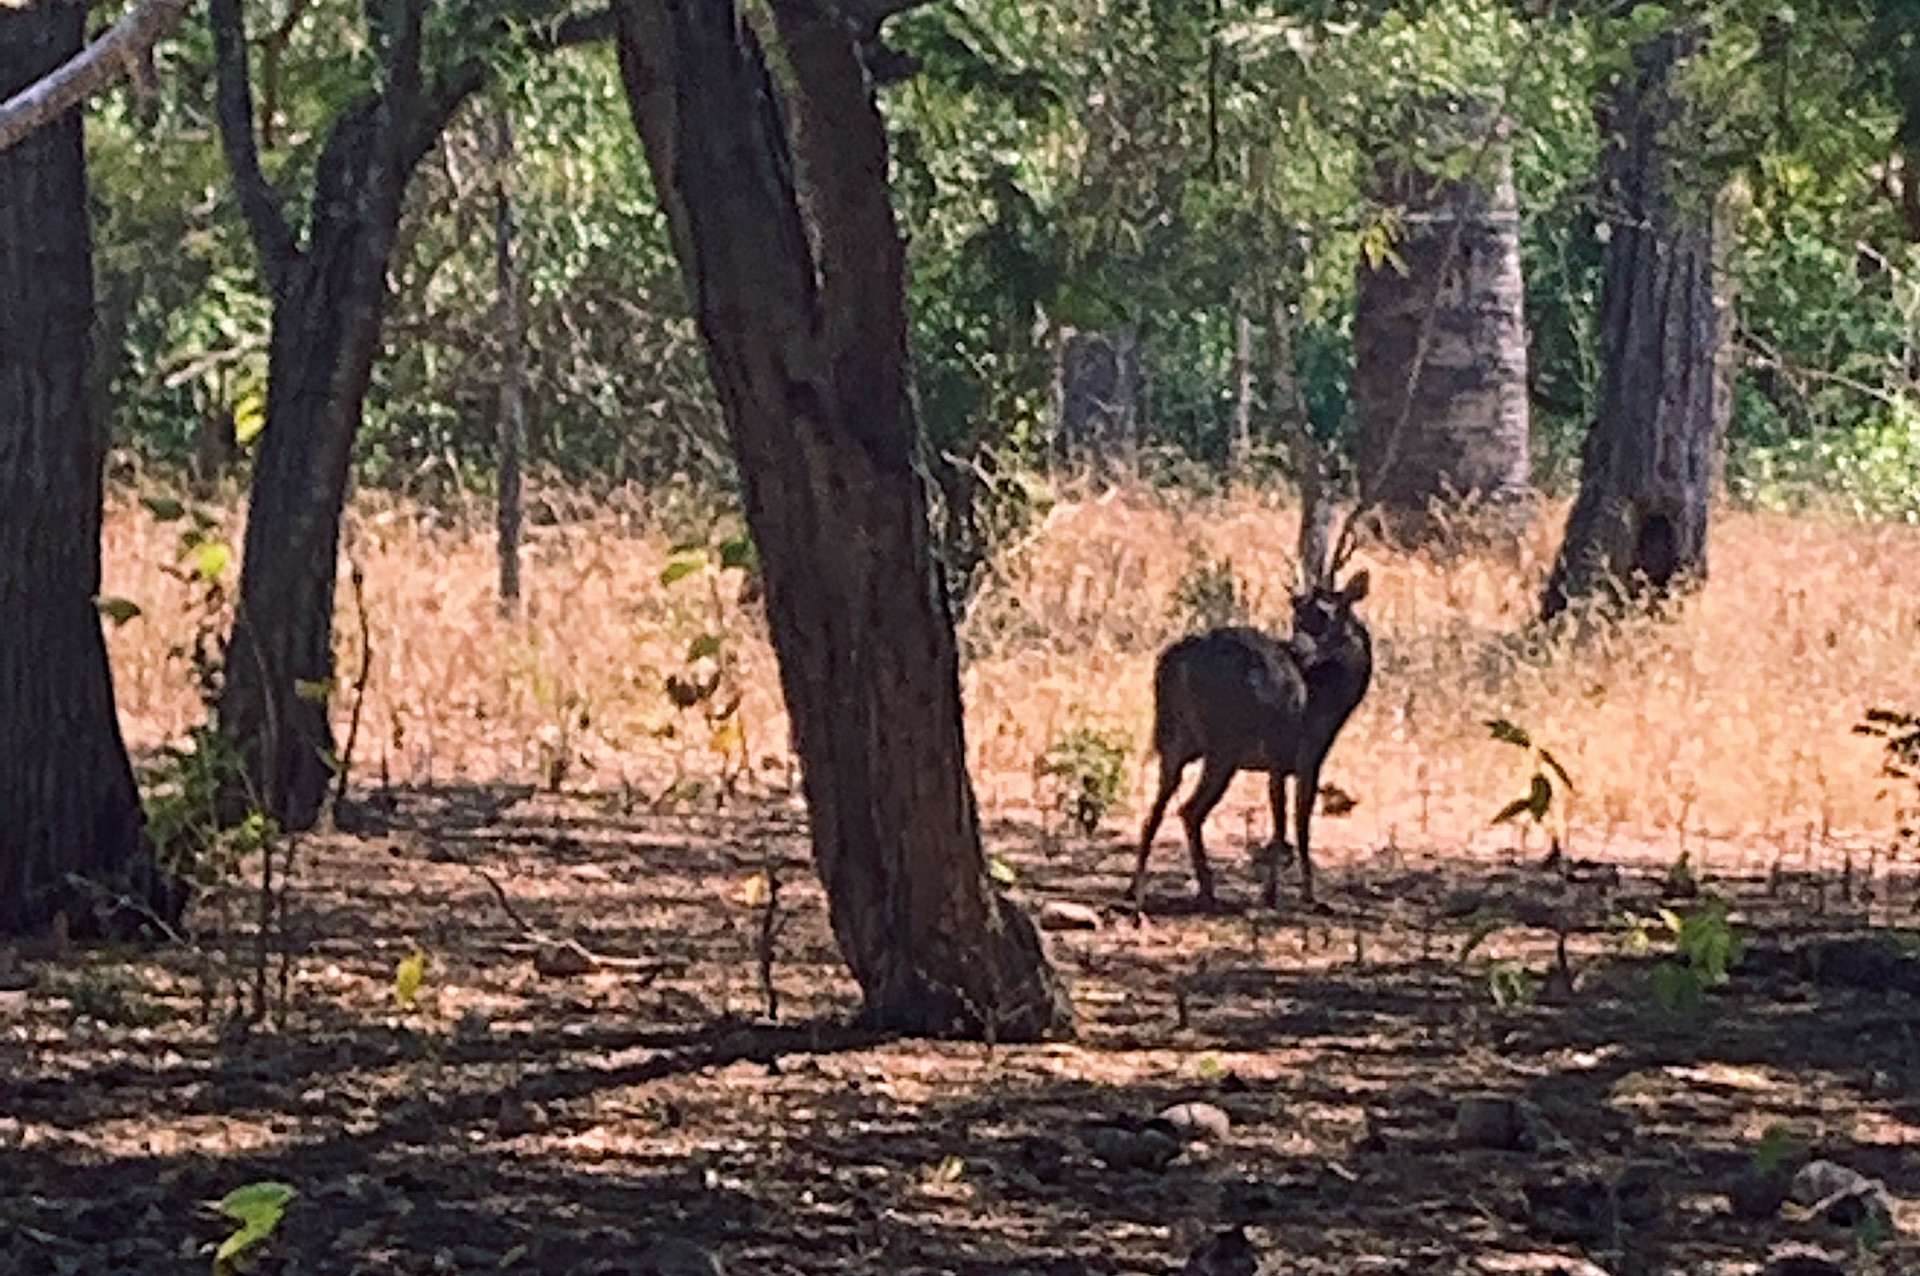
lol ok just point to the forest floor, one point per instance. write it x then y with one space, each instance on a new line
525 1115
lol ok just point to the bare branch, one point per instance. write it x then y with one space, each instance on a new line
259 202
119 52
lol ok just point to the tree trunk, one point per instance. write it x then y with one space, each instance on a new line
1639 525
1240 440
1098 387
68 806
804 321
329 297
1440 372
512 426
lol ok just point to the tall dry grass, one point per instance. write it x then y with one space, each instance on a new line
1728 725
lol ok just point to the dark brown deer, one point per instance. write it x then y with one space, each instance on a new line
1239 699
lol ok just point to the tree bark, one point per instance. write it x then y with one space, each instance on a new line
1440 373
803 315
329 297
512 426
1638 528
70 817
1098 380
1240 438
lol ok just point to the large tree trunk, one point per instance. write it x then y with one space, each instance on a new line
1440 371
329 297
1639 525
68 805
804 321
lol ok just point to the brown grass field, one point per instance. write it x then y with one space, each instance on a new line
524 1118
1728 726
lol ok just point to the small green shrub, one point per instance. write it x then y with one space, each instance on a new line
1084 772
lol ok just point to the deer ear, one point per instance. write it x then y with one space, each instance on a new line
1356 587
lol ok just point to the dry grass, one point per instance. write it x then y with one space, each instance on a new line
1729 725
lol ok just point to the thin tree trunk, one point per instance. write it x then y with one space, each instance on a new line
1240 441
513 333
803 316
68 806
1440 379
1639 524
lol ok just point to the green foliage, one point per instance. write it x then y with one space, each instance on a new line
1511 985
109 995
1208 594
1084 772
257 1209
184 794
1547 780
1701 945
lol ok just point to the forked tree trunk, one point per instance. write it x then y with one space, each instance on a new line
329 297
804 322
68 806
1440 372
1639 525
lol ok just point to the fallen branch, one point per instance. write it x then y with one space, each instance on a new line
559 955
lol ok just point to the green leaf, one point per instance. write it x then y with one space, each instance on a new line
407 978
117 610
258 1209
738 551
680 569
1509 733
704 647
1677 989
1540 797
164 508
1777 1145
1514 809
1553 764
1000 871
1485 926
210 560
314 690
249 417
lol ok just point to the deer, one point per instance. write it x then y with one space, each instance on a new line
1240 699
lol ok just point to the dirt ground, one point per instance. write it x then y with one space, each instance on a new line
517 1121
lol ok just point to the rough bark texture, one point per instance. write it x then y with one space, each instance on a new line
329 296
803 316
1639 524
68 804
1455 425
512 426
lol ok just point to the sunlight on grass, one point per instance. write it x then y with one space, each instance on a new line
1730 724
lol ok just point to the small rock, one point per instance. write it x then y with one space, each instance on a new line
1150 1147
1061 914
1226 1253
1492 1121
1198 1122
1536 1265
516 1116
1843 1197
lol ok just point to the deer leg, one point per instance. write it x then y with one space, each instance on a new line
1304 798
1214 778
1277 850
1170 773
